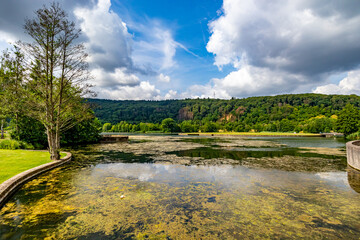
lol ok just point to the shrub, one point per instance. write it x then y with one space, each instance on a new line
13 144
354 136
9 144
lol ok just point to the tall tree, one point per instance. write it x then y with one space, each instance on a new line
2 96
348 120
12 82
59 73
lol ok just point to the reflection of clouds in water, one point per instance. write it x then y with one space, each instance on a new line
215 170
228 176
167 172
143 172
335 177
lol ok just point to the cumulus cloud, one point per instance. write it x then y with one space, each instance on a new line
348 85
112 80
279 46
144 90
172 95
163 78
13 14
108 39
119 71
295 35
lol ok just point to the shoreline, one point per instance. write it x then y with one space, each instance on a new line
10 186
262 134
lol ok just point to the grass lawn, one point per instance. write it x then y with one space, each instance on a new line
13 162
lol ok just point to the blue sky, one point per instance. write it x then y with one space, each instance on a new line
162 49
188 23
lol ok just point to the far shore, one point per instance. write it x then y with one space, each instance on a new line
254 134
238 134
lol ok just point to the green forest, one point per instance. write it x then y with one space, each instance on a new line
312 113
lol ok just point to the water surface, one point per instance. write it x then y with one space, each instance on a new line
147 189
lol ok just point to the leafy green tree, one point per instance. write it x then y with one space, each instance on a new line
169 125
3 108
87 131
286 125
348 120
319 124
12 84
106 127
187 126
31 131
209 127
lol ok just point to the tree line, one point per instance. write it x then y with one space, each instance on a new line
311 113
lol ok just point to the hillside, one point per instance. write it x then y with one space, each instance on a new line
250 110
292 112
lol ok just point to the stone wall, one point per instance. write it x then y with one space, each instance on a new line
353 154
10 186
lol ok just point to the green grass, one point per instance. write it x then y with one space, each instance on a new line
258 133
13 162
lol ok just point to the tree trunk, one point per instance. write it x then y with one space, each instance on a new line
53 148
17 126
57 139
2 129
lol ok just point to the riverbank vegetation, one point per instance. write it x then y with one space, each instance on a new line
308 113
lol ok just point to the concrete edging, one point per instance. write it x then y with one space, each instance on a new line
353 154
11 185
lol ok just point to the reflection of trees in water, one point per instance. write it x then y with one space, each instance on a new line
354 179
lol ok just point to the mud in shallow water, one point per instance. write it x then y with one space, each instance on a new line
126 191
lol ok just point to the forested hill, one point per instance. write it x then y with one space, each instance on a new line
293 107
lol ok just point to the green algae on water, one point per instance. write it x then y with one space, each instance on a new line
117 192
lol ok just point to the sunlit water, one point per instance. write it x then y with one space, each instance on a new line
113 192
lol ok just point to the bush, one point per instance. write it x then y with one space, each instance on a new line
354 136
169 125
13 144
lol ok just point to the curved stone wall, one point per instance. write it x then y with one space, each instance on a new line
10 186
353 154
353 179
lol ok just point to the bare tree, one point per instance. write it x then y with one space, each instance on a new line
59 72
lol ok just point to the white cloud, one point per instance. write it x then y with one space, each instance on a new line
277 47
247 81
163 78
158 47
348 85
144 90
285 34
114 79
171 95
7 37
205 91
119 71
108 39
114 62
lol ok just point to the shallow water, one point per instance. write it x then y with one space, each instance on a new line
114 191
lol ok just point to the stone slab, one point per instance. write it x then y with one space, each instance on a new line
353 154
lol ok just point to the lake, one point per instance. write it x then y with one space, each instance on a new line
181 187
